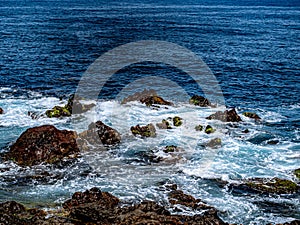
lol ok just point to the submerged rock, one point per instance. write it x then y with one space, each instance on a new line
44 144
214 143
209 129
267 186
226 116
199 128
144 131
165 124
200 101
251 115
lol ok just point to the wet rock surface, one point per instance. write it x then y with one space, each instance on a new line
144 131
1 111
154 100
251 115
199 101
43 144
226 116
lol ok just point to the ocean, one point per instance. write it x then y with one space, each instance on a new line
252 50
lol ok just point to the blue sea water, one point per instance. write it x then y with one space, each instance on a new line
252 48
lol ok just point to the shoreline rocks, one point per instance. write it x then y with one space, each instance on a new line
199 101
144 131
226 116
251 115
43 144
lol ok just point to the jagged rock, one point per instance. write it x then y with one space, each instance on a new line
92 205
214 143
43 144
297 173
164 124
154 100
200 101
144 131
251 115
268 186
171 148
12 212
209 129
1 111
72 107
177 121
34 115
199 128
140 95
226 116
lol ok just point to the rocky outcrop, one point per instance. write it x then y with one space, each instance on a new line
226 116
251 115
144 131
266 186
44 144
200 101
166 123
99 133
139 95
209 129
214 143
72 107
154 100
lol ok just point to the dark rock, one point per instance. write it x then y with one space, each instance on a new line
294 222
245 131
154 100
12 212
226 116
266 186
297 173
106 134
199 128
251 115
34 115
200 101
1 111
140 95
144 131
273 142
171 148
214 143
177 121
92 205
58 111
164 124
43 144
209 129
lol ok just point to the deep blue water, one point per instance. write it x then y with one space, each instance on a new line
252 48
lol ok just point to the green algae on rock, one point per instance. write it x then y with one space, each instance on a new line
209 129
144 131
177 121
297 173
199 101
251 115
226 116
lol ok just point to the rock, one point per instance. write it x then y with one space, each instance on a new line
177 121
226 116
200 101
72 107
106 134
44 144
199 128
266 186
34 115
251 115
164 125
209 129
1 111
246 131
294 222
144 131
297 173
140 95
12 212
171 148
177 197
214 143
92 206
58 111
154 100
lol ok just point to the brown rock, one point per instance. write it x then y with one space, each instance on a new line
1 111
200 101
43 144
144 131
226 116
154 100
